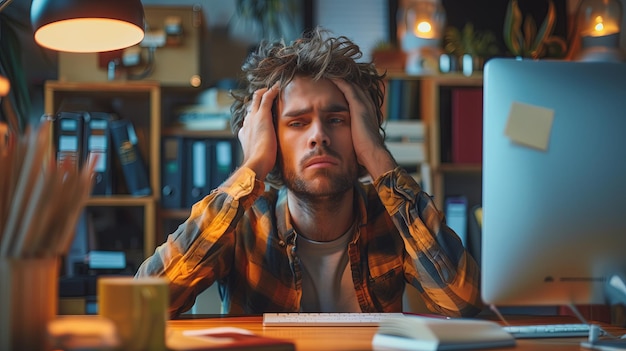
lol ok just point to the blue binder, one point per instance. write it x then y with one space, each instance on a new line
172 169
133 165
69 139
98 138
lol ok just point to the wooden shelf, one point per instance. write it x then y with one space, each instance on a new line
147 95
459 168
197 133
430 100
120 200
174 214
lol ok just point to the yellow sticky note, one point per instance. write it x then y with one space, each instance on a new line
529 125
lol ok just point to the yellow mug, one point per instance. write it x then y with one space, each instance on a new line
138 308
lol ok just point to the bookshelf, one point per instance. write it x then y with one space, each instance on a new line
447 178
140 102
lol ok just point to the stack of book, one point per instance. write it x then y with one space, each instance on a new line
80 136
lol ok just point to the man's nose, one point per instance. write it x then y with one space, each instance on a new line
318 134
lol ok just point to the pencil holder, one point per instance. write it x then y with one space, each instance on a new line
28 301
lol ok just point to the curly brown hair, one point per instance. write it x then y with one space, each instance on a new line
317 54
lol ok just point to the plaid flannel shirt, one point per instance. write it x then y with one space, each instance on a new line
241 237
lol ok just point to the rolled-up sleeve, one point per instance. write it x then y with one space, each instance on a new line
438 264
198 252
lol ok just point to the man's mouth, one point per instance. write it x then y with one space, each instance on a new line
321 161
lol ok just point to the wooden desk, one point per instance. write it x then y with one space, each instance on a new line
359 338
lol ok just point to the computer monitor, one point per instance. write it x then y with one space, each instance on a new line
554 181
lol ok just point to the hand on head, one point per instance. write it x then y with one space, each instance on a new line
257 134
369 144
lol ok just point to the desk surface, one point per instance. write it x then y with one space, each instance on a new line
359 338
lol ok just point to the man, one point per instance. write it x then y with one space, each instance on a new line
318 239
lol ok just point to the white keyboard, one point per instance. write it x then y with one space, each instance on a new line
310 319
548 330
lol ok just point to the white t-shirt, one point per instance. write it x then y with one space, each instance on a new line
326 275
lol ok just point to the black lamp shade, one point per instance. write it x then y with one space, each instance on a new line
87 25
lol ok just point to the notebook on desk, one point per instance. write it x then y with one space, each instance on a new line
419 333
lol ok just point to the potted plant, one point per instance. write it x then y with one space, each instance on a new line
468 42
388 57
522 37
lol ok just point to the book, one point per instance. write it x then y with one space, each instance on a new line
394 99
97 135
421 333
405 141
225 338
403 100
172 169
133 166
69 141
456 216
467 125
410 104
197 170
206 164
223 161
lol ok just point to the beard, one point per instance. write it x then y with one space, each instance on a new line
326 184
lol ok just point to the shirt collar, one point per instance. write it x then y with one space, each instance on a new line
283 216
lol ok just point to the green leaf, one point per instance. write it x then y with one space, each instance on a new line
512 28
546 28
530 31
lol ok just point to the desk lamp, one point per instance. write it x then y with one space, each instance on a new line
420 30
599 24
87 25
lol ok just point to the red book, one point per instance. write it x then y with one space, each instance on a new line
225 338
467 125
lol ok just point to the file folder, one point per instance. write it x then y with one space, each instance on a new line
97 132
198 170
68 138
223 159
133 166
456 216
172 169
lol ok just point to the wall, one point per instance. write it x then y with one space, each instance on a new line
364 21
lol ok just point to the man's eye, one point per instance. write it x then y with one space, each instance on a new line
296 124
336 120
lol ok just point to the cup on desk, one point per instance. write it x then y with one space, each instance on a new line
28 301
138 308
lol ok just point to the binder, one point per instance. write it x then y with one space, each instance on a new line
456 216
172 169
198 181
394 105
69 138
224 160
97 132
467 125
133 166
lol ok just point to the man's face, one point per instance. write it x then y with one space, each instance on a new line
314 137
